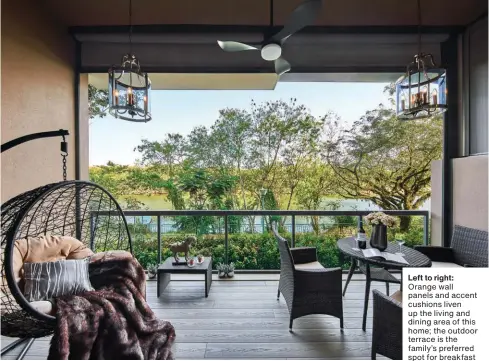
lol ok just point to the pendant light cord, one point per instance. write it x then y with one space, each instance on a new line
419 27
130 27
271 13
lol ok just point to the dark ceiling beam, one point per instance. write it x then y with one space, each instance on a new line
232 29
254 70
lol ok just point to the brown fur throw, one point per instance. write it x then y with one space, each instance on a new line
112 322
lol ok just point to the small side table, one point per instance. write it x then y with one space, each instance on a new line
167 268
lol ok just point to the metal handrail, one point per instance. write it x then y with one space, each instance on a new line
291 213
169 213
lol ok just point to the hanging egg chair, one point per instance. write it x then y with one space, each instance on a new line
78 209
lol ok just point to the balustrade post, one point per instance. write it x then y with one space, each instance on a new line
226 246
158 232
293 232
426 229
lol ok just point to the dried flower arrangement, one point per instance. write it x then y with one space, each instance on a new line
377 218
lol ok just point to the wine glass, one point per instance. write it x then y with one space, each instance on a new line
357 248
400 242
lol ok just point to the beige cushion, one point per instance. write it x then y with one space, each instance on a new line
445 265
397 296
43 307
109 255
45 248
309 265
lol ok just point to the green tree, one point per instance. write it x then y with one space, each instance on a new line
98 101
232 131
110 177
202 150
285 135
318 185
385 160
169 152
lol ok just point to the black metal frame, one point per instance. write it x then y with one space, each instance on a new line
26 138
292 213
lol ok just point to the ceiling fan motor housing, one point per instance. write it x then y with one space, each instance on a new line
271 52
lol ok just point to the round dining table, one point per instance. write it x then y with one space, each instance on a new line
348 247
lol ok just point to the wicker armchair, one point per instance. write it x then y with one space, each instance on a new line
387 327
468 248
308 287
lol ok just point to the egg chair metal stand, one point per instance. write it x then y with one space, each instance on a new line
79 209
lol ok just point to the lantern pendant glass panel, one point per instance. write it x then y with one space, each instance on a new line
422 91
129 91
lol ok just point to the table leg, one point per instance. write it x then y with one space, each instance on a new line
350 273
208 280
162 282
367 296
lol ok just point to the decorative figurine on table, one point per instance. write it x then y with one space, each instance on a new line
182 247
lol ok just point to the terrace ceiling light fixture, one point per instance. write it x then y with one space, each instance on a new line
271 47
422 91
129 87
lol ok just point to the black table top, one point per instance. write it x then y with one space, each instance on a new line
415 258
167 266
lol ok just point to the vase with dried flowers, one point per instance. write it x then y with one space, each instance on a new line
379 221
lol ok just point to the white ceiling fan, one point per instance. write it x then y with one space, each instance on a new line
271 48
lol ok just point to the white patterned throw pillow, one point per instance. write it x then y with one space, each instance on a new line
48 280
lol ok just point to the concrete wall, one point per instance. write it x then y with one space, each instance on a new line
436 203
477 74
470 192
470 195
37 95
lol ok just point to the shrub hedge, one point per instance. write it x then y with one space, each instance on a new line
259 251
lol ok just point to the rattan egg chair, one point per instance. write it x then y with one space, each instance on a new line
79 209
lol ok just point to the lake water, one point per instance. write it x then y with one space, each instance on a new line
159 202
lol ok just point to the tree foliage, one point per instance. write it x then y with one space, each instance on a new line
385 160
298 158
98 101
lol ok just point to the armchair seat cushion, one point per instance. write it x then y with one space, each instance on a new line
397 296
445 265
309 265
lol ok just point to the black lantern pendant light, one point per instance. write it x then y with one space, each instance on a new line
129 87
422 91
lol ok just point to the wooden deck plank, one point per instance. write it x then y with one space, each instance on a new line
243 320
323 350
274 336
279 323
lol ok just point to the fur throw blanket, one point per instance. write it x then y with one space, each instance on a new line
113 321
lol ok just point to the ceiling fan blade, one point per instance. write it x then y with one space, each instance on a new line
281 66
233 46
302 16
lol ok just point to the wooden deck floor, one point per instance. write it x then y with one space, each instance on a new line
242 319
